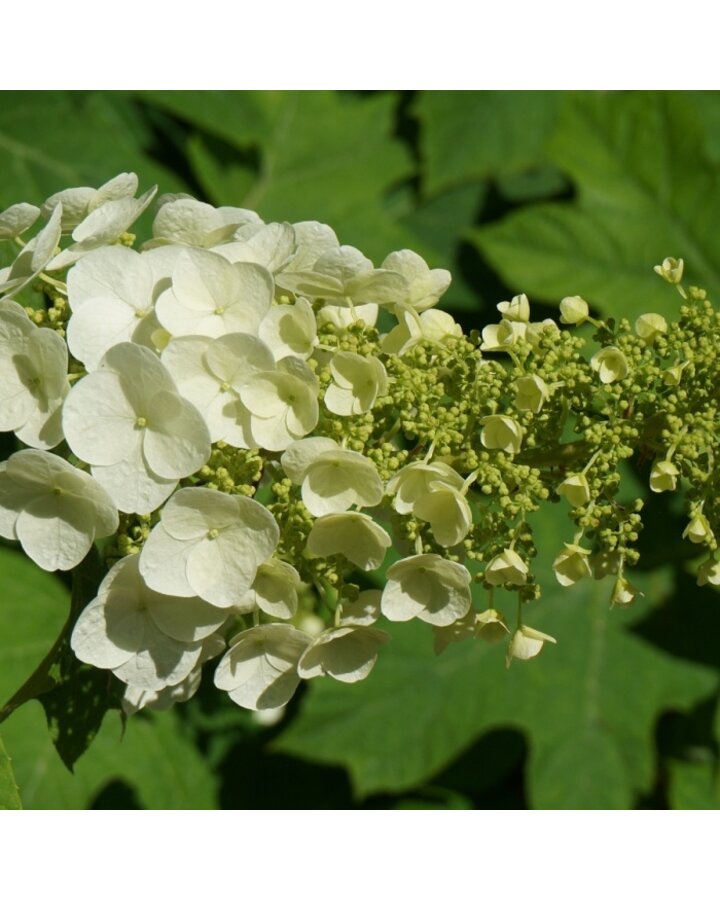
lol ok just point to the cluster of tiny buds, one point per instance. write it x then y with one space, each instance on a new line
282 445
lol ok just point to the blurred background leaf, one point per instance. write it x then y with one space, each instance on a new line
548 193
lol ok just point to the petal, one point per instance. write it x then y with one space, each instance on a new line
132 487
176 442
55 532
163 563
99 420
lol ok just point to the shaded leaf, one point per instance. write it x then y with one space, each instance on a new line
34 606
646 189
694 785
153 755
471 135
75 696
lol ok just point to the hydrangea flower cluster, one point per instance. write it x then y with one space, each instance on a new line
251 417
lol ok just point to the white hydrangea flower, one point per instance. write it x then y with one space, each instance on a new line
433 325
209 373
415 480
426 587
507 567
532 393
148 640
53 509
526 643
357 383
671 270
274 590
342 317
259 671
353 535
650 326
208 544
140 436
501 433
343 276
33 378
290 329
184 220
425 286
312 240
137 698
698 529
79 202
664 476
112 294
103 226
573 311
33 258
332 479
515 310
611 364
270 246
447 511
363 611
572 564
16 220
491 626
347 653
536 331
212 296
576 489
502 336
709 572
283 404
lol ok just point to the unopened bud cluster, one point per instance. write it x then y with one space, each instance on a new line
223 409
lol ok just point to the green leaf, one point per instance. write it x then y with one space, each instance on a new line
50 140
321 155
694 785
587 706
75 696
436 229
33 608
9 796
471 135
647 187
154 756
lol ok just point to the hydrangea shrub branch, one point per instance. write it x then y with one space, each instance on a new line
252 418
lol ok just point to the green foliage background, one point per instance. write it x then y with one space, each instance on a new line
548 193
